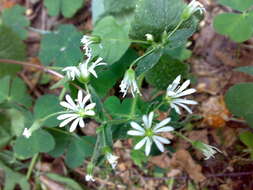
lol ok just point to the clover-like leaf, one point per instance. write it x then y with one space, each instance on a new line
11 47
15 19
114 40
46 105
239 100
154 17
78 150
40 141
245 69
234 25
14 90
237 4
61 47
66 7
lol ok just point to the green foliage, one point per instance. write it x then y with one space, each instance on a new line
165 72
246 137
246 69
15 19
46 105
66 7
70 184
237 4
13 178
61 47
11 47
108 78
148 62
114 40
40 141
239 27
154 17
79 149
13 90
239 100
138 157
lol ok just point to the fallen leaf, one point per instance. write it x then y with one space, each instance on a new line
215 112
50 184
183 160
162 161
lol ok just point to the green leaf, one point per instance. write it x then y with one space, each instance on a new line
17 121
13 178
154 17
148 62
78 150
15 19
5 131
246 137
108 78
11 47
14 90
114 40
66 7
67 182
239 100
40 141
245 69
139 157
61 47
119 6
46 105
237 4
237 26
165 72
62 141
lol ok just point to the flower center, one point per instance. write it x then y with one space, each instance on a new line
81 113
149 133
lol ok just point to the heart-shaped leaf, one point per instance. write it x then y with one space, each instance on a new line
237 4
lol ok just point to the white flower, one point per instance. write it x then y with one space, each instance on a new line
150 133
129 83
85 69
208 151
149 37
89 177
76 111
27 133
192 7
86 41
175 91
112 159
72 72
196 6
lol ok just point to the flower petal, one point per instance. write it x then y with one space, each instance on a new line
136 126
164 129
80 96
67 115
161 139
148 147
162 123
186 92
145 121
81 123
141 143
184 101
74 125
159 145
185 107
90 113
65 122
183 86
90 106
176 108
67 105
135 133
70 100
150 119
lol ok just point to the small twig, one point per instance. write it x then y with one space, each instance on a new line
40 67
30 85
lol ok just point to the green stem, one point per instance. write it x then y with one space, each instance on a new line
140 42
175 29
182 136
133 107
53 114
141 57
31 166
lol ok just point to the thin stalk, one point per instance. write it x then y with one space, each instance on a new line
140 42
182 136
31 166
39 67
175 29
141 57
